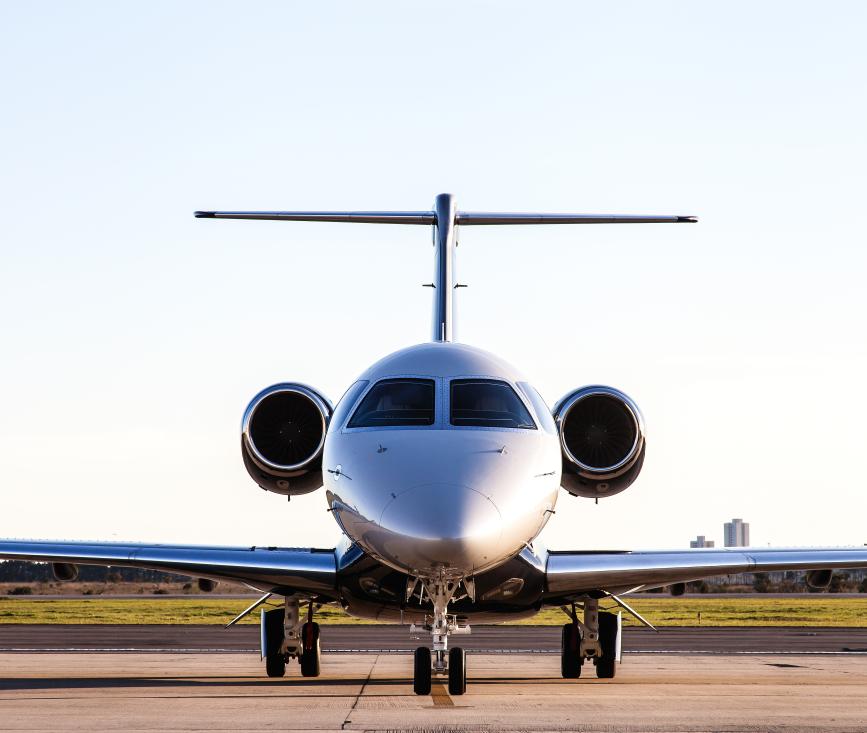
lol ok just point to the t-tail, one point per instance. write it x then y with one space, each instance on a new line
445 219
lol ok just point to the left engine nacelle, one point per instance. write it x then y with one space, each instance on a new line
602 440
282 437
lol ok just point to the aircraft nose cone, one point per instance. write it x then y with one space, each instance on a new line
442 525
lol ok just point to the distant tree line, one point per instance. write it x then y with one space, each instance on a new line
792 582
18 571
787 581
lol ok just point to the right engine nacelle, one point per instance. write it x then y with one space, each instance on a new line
282 437
602 441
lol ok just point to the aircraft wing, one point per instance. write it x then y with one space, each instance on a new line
269 569
570 574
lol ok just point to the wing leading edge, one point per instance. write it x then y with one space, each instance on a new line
278 570
575 573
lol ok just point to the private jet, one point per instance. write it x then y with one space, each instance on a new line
441 464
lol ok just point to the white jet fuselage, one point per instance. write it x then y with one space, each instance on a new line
442 499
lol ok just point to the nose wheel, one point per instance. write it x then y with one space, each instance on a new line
457 671
423 671
421 677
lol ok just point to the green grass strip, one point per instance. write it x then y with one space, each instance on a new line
821 610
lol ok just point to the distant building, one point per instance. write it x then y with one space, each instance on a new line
701 541
737 533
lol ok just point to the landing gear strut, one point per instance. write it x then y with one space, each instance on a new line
284 637
596 637
439 659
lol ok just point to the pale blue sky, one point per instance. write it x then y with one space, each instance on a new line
133 335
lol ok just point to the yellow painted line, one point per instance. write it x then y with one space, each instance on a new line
440 697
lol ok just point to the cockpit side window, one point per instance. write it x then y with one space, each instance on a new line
395 403
543 412
350 397
487 403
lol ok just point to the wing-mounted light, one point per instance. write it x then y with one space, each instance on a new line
282 438
602 441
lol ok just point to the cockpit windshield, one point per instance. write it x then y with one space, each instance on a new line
396 402
487 403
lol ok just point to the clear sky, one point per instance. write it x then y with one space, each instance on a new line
133 335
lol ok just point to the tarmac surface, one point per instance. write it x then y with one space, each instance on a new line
385 639
227 691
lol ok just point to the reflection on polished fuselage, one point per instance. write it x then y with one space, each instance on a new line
443 498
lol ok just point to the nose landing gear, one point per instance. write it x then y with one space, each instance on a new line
439 659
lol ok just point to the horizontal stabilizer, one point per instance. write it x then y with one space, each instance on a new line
470 218
356 217
462 218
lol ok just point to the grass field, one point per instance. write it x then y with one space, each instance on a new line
754 611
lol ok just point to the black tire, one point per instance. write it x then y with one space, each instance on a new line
457 671
310 652
570 652
606 665
421 674
275 665
275 659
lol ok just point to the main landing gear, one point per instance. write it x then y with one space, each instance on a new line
439 659
285 637
597 637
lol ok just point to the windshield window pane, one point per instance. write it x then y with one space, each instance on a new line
341 412
543 413
395 402
487 403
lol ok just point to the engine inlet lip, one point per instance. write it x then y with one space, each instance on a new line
562 413
323 407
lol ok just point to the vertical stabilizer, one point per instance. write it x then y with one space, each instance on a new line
445 241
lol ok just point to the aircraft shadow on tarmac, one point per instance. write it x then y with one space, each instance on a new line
83 683
8 684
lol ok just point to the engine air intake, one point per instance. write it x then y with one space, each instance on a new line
282 438
602 441
600 431
286 429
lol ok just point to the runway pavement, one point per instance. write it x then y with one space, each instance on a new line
228 692
384 639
